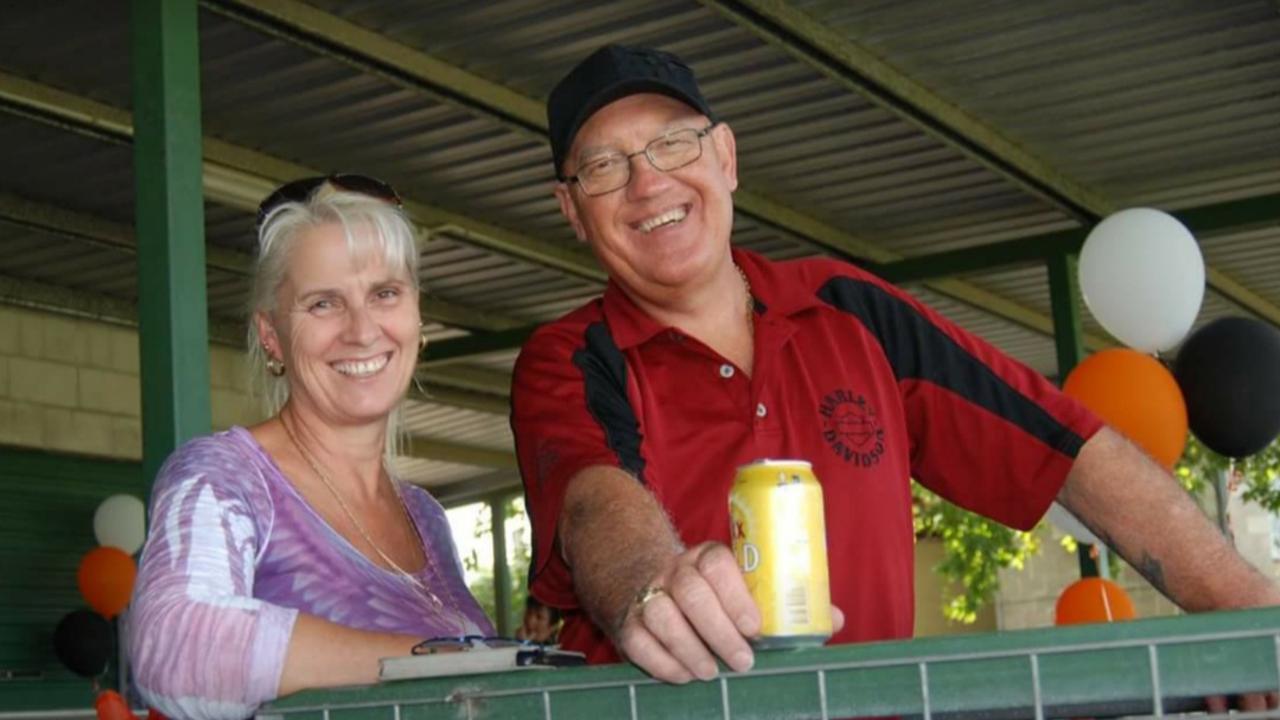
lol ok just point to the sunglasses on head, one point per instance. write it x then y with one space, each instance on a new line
300 190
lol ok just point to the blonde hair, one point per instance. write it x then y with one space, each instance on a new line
393 237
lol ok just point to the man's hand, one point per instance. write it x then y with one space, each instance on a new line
701 610
697 610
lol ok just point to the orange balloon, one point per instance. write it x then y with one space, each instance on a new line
1136 395
1093 600
105 578
111 706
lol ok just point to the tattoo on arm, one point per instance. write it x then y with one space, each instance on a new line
1153 571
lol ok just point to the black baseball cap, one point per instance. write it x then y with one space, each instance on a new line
610 73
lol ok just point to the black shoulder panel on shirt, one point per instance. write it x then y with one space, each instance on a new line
918 350
604 377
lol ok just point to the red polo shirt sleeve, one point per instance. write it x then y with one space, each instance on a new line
986 432
560 390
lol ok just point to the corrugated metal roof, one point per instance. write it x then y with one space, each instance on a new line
1170 104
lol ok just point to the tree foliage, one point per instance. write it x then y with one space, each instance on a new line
517 559
974 551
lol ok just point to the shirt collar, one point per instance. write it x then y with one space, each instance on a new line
777 294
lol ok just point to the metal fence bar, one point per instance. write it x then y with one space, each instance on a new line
395 712
724 699
1157 696
924 689
1035 686
822 693
1035 646
546 705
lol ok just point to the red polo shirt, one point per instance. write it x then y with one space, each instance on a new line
852 374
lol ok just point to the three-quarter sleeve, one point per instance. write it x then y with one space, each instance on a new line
201 646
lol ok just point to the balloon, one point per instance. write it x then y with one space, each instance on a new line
83 642
120 521
105 578
1092 600
1229 371
1142 276
1067 523
111 706
1135 395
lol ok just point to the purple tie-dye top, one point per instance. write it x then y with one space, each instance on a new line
234 553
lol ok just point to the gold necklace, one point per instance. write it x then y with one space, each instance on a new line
324 478
751 303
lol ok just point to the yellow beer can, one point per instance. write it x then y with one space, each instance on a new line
780 542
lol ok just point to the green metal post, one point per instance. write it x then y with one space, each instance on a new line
172 309
1064 295
501 571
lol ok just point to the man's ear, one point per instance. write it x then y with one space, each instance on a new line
570 210
726 153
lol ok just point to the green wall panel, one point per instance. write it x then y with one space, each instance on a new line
46 526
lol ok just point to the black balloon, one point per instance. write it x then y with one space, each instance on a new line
83 642
1229 372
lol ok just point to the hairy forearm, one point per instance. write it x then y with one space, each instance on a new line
615 537
1140 511
325 654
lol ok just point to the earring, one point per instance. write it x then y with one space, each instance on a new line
275 367
422 339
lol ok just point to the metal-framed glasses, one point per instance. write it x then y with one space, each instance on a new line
300 190
671 151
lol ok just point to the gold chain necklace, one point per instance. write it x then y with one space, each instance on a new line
751 303
324 478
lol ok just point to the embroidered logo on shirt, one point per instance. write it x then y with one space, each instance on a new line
851 427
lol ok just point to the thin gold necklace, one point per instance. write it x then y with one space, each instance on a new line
324 478
751 303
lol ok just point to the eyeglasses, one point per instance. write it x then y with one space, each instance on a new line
300 190
672 151
465 642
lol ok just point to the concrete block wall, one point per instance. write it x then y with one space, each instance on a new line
71 385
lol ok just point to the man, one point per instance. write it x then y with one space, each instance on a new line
639 406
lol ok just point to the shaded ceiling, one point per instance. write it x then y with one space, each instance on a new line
876 131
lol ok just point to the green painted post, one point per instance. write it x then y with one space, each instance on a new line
172 309
501 571
1064 295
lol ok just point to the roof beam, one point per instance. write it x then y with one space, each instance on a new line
477 489
94 230
444 451
1203 222
240 177
469 377
373 53
857 68
35 295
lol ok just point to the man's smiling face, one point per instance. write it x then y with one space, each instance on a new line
664 230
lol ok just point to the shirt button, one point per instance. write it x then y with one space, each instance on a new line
726 370
761 410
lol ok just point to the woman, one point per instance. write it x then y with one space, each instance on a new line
284 556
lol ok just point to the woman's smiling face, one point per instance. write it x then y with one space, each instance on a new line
346 325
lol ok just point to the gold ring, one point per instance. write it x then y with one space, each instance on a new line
647 593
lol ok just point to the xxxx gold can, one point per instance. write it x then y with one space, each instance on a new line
780 542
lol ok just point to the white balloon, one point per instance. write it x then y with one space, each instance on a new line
1067 523
1142 276
120 522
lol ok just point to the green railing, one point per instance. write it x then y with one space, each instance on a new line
1158 667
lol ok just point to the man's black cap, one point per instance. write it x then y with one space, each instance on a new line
610 73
